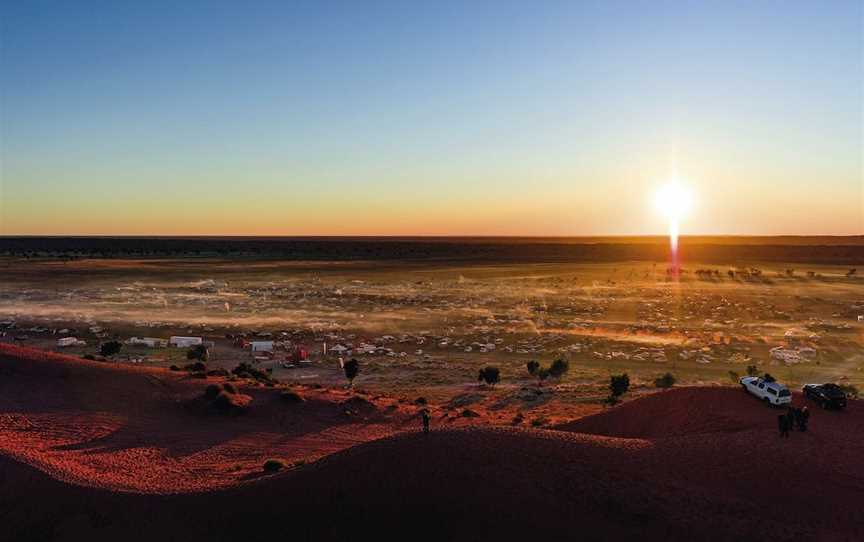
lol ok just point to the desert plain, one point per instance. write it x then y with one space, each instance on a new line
104 434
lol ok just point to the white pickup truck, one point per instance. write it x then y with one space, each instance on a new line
770 392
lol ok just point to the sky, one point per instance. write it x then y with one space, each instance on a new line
437 118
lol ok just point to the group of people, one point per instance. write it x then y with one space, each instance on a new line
794 417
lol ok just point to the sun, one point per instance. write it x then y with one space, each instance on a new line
675 201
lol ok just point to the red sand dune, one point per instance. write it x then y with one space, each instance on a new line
686 464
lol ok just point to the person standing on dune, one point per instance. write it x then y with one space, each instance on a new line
783 425
803 418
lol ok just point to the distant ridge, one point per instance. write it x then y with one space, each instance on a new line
713 249
808 240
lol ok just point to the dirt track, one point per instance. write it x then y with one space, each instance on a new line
691 463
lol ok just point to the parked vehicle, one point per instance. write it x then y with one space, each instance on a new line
769 391
826 395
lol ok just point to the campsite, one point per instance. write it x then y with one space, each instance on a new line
426 326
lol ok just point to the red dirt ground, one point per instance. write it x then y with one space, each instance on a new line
92 451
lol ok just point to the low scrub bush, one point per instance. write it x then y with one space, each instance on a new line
665 381
245 370
198 352
559 368
273 465
351 369
110 348
619 384
490 375
539 422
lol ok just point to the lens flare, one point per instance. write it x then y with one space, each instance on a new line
674 201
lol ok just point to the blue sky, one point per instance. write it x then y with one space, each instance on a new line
551 118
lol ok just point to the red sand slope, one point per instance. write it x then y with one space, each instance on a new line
128 428
686 464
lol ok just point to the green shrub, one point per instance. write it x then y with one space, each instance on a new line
532 367
618 385
559 368
229 388
752 370
110 348
537 422
490 375
273 465
734 377
352 369
245 370
199 352
665 381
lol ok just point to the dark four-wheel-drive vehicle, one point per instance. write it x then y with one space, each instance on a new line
826 395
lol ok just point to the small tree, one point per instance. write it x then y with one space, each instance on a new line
752 370
733 376
532 367
769 378
618 385
110 348
199 352
665 381
352 369
490 375
559 368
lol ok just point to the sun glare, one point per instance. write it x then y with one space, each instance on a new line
675 201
